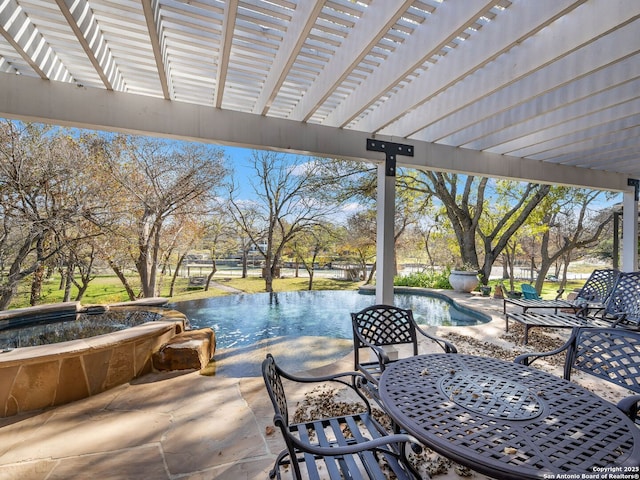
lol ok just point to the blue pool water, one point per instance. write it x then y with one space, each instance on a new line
246 319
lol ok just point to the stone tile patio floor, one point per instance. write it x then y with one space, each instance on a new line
172 425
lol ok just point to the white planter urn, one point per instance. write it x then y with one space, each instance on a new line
463 281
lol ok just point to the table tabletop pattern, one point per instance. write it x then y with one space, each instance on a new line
507 420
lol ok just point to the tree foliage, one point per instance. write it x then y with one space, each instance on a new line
466 201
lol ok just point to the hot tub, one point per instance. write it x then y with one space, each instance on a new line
35 377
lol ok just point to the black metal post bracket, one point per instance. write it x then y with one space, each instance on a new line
390 149
634 182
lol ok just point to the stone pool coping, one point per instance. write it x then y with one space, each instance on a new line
33 378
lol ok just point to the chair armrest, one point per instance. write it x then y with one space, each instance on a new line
447 346
528 358
615 319
383 358
630 406
324 378
560 292
373 444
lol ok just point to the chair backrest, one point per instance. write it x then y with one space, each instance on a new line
384 325
598 286
625 297
529 292
612 354
273 382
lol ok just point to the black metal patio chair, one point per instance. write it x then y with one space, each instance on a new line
621 309
379 327
612 354
595 291
589 298
353 446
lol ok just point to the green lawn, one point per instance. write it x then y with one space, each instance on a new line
108 289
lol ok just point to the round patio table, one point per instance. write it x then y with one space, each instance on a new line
507 420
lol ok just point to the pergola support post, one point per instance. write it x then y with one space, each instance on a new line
630 227
386 206
385 248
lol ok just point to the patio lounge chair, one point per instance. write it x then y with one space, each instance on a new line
621 309
591 296
349 446
381 328
597 288
612 354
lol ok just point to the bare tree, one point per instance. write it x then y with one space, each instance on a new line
161 180
287 189
310 245
573 223
360 241
219 238
46 191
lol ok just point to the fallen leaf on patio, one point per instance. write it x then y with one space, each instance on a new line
270 430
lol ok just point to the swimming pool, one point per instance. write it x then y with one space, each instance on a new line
246 319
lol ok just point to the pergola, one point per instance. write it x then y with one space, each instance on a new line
543 91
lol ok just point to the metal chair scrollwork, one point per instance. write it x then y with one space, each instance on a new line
611 354
381 326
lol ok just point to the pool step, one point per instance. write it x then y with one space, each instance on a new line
189 350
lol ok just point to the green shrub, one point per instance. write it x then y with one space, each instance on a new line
426 279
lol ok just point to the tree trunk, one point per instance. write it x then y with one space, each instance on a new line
174 277
36 286
63 279
268 281
81 291
245 261
15 276
214 269
68 276
123 279
371 273
6 295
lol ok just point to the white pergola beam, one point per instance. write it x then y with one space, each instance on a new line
228 25
436 31
65 104
302 21
509 29
152 17
374 24
84 25
576 76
